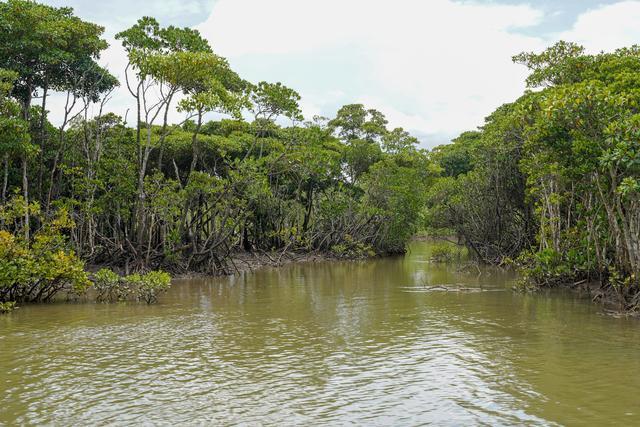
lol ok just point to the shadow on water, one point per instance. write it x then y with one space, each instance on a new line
331 342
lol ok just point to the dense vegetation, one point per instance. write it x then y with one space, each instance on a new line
553 179
142 192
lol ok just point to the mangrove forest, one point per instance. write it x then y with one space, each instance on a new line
185 243
550 183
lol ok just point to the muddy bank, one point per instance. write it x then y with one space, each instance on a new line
248 261
237 262
614 302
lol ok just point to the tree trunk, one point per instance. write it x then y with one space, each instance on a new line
25 192
164 130
140 216
307 215
26 112
5 180
194 144
43 136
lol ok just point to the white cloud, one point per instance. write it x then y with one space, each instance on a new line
606 28
435 66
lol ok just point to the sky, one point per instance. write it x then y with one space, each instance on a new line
434 67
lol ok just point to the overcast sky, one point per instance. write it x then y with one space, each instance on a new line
434 67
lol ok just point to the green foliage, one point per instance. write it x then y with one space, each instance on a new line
272 100
149 286
552 180
395 194
145 194
15 140
457 158
444 252
485 205
147 37
46 46
352 249
7 307
545 268
354 121
37 269
398 141
111 287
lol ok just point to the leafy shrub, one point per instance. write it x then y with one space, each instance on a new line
37 268
445 252
110 287
548 267
350 248
6 307
149 286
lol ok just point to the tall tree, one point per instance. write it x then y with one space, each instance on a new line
48 48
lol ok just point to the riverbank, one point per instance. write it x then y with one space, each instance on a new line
617 302
240 262
620 301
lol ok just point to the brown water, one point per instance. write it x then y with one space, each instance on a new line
328 343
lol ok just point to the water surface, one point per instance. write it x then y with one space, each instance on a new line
324 343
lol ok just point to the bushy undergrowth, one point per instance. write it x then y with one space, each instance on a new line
111 287
36 267
552 180
349 248
445 252
7 307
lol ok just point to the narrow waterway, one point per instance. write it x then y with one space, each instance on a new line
362 342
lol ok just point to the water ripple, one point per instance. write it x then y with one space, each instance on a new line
321 344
